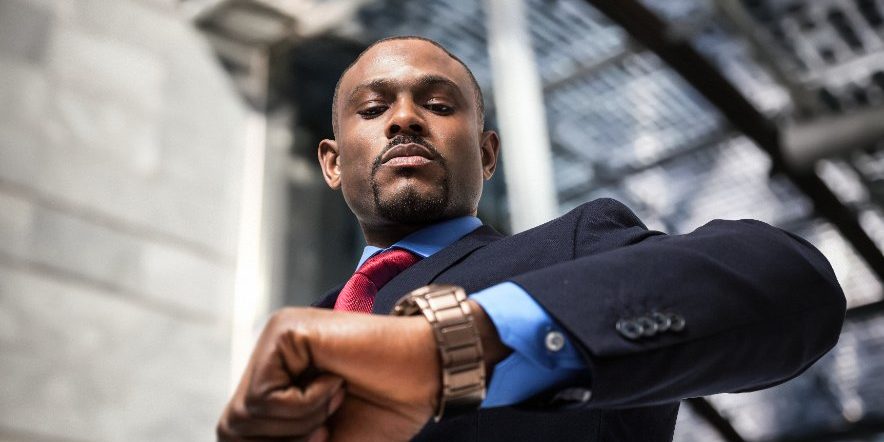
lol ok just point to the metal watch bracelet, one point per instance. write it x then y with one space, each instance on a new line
460 347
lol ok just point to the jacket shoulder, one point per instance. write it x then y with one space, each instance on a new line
606 210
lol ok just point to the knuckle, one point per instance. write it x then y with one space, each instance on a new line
284 314
253 402
313 420
238 413
255 409
290 408
222 431
238 428
277 317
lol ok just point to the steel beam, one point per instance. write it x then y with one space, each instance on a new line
865 429
671 46
705 410
805 142
607 177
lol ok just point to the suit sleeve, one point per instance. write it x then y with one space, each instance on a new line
759 306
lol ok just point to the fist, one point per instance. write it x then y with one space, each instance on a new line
318 375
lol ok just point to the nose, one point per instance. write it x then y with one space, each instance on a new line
405 120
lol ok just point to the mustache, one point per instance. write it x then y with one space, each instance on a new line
407 139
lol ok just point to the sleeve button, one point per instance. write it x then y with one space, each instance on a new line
662 320
649 326
678 322
554 341
629 328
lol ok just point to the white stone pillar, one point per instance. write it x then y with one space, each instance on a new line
518 99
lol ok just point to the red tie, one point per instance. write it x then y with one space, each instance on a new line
358 294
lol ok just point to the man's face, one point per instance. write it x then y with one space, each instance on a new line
409 148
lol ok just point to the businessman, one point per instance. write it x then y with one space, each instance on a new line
589 327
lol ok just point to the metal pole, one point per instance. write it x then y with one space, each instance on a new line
518 99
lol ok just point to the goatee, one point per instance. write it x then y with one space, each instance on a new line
408 206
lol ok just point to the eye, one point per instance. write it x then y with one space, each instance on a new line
372 111
440 108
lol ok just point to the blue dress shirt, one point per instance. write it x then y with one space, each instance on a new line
542 356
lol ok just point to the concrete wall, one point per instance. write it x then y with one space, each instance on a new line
121 146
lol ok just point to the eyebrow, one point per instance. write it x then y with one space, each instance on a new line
423 82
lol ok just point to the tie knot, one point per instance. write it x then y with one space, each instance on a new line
359 292
384 266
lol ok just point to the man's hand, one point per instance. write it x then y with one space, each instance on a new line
294 380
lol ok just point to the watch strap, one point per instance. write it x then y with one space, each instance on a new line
460 347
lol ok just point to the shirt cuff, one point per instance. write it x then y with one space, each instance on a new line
542 357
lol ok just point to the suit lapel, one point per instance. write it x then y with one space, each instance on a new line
328 299
426 270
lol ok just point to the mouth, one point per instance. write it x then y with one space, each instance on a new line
407 155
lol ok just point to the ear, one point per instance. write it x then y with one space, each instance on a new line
490 149
330 161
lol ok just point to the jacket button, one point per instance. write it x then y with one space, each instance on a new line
554 341
630 329
678 322
649 326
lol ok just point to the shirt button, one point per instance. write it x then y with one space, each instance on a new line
573 395
555 341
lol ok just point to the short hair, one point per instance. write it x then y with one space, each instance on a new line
477 91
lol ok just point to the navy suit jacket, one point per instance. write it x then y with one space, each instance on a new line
760 306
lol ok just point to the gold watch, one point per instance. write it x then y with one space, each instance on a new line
460 348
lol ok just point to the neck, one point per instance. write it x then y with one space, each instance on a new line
385 236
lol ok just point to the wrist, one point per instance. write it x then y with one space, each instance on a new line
493 347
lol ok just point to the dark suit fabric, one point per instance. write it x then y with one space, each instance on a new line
760 305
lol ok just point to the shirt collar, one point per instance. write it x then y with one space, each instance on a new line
431 239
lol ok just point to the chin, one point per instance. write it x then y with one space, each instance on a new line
408 206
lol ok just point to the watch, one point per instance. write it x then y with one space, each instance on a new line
460 348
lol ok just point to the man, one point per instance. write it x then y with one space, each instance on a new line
590 327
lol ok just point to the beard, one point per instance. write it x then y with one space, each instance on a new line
408 206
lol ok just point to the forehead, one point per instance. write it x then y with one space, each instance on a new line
404 60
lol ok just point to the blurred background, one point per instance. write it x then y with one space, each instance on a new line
159 192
